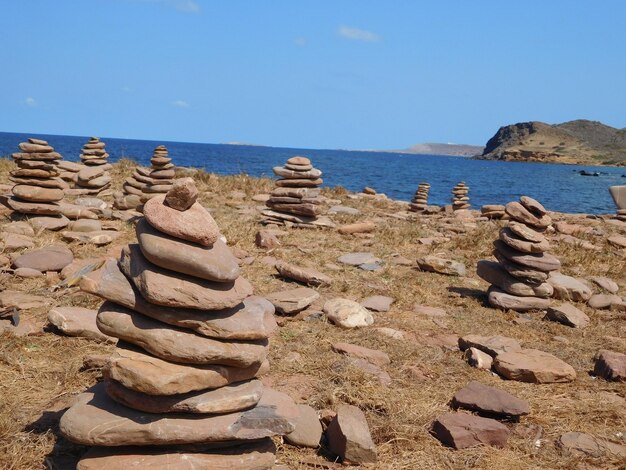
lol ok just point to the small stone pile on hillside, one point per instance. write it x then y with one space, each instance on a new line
460 197
420 199
94 177
146 183
296 200
493 211
181 389
38 189
519 279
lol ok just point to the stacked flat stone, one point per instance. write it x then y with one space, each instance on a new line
94 177
296 199
493 211
420 199
618 193
519 278
181 389
38 189
147 183
460 198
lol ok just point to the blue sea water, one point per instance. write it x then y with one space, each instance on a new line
558 187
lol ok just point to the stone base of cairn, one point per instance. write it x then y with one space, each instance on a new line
420 199
296 200
181 388
460 198
38 189
94 177
146 183
519 278
493 211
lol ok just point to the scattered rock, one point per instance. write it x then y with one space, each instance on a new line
78 321
476 358
427 311
51 258
347 313
534 366
349 436
489 401
492 345
308 276
581 444
374 356
605 283
441 266
460 430
359 227
308 429
569 288
610 365
266 239
292 301
568 315
377 303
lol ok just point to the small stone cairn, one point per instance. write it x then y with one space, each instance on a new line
296 200
146 183
420 199
94 178
460 198
618 193
519 278
38 189
181 388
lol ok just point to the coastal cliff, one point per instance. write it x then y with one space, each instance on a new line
574 142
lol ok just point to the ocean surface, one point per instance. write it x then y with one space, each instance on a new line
558 187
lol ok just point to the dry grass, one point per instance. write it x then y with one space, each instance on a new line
39 374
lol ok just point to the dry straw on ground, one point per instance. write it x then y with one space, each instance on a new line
39 375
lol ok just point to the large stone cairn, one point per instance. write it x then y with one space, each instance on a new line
38 188
182 383
519 278
296 199
420 199
94 178
460 197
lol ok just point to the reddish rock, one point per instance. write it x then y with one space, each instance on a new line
534 366
610 365
460 430
492 345
308 429
183 194
374 356
489 401
308 276
51 258
377 303
349 436
568 315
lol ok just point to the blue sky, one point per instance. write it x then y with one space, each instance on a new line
315 74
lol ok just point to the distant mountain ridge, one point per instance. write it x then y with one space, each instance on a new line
576 142
455 150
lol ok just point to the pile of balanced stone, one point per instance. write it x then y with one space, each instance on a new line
38 189
420 199
296 200
94 178
181 389
146 183
519 278
460 198
493 211
618 193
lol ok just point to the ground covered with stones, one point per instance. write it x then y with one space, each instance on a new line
402 366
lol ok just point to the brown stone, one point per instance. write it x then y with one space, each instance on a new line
534 366
139 371
308 429
569 288
183 194
489 401
374 356
500 299
460 430
581 444
228 399
519 244
494 274
359 227
297 160
50 258
214 263
308 276
250 320
95 419
37 208
78 321
176 344
492 345
194 225
568 315
349 436
518 212
610 365
162 287
292 301
541 262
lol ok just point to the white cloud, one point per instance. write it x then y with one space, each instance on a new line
300 41
180 103
30 101
356 34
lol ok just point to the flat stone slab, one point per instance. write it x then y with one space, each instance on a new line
349 436
357 259
492 345
214 263
460 430
137 370
194 224
96 237
308 276
534 366
163 287
569 288
176 344
610 365
78 321
250 320
378 303
582 444
347 313
380 358
427 311
95 419
489 401
228 399
22 300
540 261
50 258
500 299
258 455
441 266
568 315
289 302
